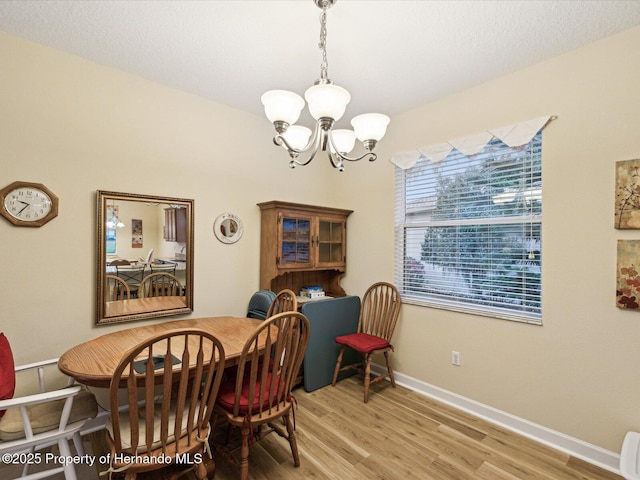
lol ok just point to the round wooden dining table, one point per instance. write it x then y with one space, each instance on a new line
93 362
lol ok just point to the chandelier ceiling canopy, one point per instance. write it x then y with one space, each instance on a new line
327 103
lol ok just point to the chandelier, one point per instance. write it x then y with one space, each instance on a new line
112 217
327 103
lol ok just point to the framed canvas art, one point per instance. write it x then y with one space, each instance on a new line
136 233
627 275
627 207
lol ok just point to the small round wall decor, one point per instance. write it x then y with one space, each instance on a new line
228 228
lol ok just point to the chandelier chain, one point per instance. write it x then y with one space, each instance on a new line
324 66
327 104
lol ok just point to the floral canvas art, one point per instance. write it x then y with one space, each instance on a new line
136 233
627 208
628 275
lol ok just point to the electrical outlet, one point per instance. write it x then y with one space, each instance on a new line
455 358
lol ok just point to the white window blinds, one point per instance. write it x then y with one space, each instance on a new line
468 231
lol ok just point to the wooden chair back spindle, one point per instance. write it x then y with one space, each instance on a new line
285 301
171 381
116 289
160 285
380 310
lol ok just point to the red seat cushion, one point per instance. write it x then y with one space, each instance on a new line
363 342
227 395
7 371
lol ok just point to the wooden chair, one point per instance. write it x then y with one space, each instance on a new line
168 267
378 317
133 275
160 285
115 289
285 301
259 304
120 261
177 374
260 392
44 418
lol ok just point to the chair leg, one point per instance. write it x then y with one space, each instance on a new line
292 440
229 433
244 454
390 370
336 371
77 442
205 469
65 451
367 377
25 469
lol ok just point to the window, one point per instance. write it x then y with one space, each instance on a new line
468 232
112 223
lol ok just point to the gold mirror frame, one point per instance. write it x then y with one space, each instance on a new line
117 311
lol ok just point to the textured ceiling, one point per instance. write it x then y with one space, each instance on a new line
391 55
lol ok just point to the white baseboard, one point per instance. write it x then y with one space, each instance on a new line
593 454
578 448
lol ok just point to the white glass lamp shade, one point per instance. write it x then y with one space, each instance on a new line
370 126
297 136
343 139
282 106
327 100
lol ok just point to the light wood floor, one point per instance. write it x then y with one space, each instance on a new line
399 434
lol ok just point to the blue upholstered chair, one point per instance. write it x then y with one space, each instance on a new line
259 304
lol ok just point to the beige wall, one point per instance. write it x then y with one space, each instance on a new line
580 372
79 127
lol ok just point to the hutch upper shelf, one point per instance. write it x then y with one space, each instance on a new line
302 245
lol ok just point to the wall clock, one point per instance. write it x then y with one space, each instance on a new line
28 204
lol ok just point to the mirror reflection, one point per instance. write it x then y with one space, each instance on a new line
228 228
145 256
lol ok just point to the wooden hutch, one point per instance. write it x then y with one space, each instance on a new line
302 245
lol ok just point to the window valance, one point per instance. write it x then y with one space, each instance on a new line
514 135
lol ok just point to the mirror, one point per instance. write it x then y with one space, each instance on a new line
228 228
144 256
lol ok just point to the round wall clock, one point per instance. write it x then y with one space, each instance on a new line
27 204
